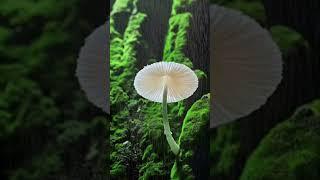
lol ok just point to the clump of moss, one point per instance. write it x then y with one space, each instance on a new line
176 39
123 49
29 113
37 170
291 150
287 38
194 127
252 8
224 149
153 167
179 6
121 6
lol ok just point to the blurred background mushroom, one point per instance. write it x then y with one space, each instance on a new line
93 68
246 65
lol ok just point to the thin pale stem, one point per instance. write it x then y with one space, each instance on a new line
172 143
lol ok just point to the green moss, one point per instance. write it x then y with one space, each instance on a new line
290 151
123 53
26 11
224 148
121 6
5 34
122 69
44 114
28 113
153 166
179 6
286 38
118 169
177 39
151 170
252 8
194 128
200 74
147 152
41 167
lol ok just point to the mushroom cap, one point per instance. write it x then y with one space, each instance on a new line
93 67
180 80
246 65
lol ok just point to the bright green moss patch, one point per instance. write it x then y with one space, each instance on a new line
123 49
200 74
177 39
194 128
196 120
290 151
123 52
287 38
180 5
121 6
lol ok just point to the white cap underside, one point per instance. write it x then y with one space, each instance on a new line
246 66
181 81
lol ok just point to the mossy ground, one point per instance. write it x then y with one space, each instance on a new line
291 150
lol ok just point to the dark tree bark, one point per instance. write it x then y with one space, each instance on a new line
198 50
303 16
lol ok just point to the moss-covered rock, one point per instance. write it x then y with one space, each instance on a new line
291 150
194 128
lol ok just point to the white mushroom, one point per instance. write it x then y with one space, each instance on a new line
166 82
93 67
180 80
246 65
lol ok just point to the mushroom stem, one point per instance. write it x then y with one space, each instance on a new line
172 143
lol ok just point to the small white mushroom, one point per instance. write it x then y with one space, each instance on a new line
166 82
180 80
